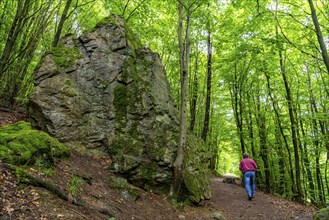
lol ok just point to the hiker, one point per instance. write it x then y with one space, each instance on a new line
248 166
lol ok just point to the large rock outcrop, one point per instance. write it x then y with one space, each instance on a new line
103 93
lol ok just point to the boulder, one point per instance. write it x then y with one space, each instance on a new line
104 94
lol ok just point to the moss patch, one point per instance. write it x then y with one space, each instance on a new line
107 20
120 102
133 39
22 145
124 102
65 56
124 144
196 172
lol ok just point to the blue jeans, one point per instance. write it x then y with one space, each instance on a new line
249 180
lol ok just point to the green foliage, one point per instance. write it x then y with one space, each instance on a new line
181 204
75 185
48 171
31 26
20 144
322 214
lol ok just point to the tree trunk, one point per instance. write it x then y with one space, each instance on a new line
318 32
263 145
61 23
280 127
237 108
178 163
250 129
306 160
282 163
208 96
194 93
21 11
299 196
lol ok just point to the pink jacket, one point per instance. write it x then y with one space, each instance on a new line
248 164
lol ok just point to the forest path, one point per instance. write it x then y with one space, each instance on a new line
231 200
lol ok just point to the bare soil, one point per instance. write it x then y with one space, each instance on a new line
26 202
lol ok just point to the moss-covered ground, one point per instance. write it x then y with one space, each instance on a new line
22 145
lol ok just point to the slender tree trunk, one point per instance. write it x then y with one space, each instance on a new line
61 23
263 144
318 32
283 185
237 108
299 196
21 11
317 152
294 186
178 163
208 96
319 178
326 174
194 93
307 166
280 127
250 129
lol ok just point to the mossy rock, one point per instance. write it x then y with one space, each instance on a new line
196 170
22 145
112 19
125 189
322 214
119 22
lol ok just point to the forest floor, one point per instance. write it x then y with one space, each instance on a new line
31 202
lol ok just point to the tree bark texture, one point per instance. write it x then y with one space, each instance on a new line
178 163
208 95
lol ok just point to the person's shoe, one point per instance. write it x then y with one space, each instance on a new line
249 198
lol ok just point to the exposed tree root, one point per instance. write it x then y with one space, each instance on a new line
37 181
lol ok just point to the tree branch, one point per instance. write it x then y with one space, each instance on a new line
133 11
292 44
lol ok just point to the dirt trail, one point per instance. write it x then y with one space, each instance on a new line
36 203
232 201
